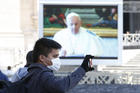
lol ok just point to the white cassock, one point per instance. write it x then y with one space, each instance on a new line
85 42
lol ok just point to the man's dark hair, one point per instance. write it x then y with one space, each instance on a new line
29 58
44 46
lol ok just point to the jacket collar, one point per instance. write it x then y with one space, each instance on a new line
38 66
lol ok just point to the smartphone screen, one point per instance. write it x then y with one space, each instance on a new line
90 63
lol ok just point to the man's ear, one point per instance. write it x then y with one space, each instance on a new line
41 58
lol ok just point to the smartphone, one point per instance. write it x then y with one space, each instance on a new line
90 63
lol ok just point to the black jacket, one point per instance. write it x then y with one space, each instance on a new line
44 81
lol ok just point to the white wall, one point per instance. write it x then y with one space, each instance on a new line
11 37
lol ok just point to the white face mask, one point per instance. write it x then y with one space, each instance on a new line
55 64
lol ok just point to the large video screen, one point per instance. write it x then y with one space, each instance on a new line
94 30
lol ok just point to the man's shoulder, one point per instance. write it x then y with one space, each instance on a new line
61 34
22 71
3 76
38 66
1 73
63 31
86 31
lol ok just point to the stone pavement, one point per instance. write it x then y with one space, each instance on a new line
105 88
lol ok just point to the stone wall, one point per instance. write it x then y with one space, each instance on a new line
18 30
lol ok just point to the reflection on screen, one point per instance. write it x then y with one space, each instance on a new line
97 34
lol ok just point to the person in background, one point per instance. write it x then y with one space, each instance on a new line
9 72
3 76
76 40
45 55
108 18
23 71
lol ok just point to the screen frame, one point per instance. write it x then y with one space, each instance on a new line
96 60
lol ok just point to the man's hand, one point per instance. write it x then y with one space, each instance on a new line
87 65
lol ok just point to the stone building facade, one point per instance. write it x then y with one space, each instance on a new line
18 30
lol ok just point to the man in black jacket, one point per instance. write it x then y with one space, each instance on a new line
45 53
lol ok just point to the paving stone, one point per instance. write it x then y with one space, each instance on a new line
109 88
